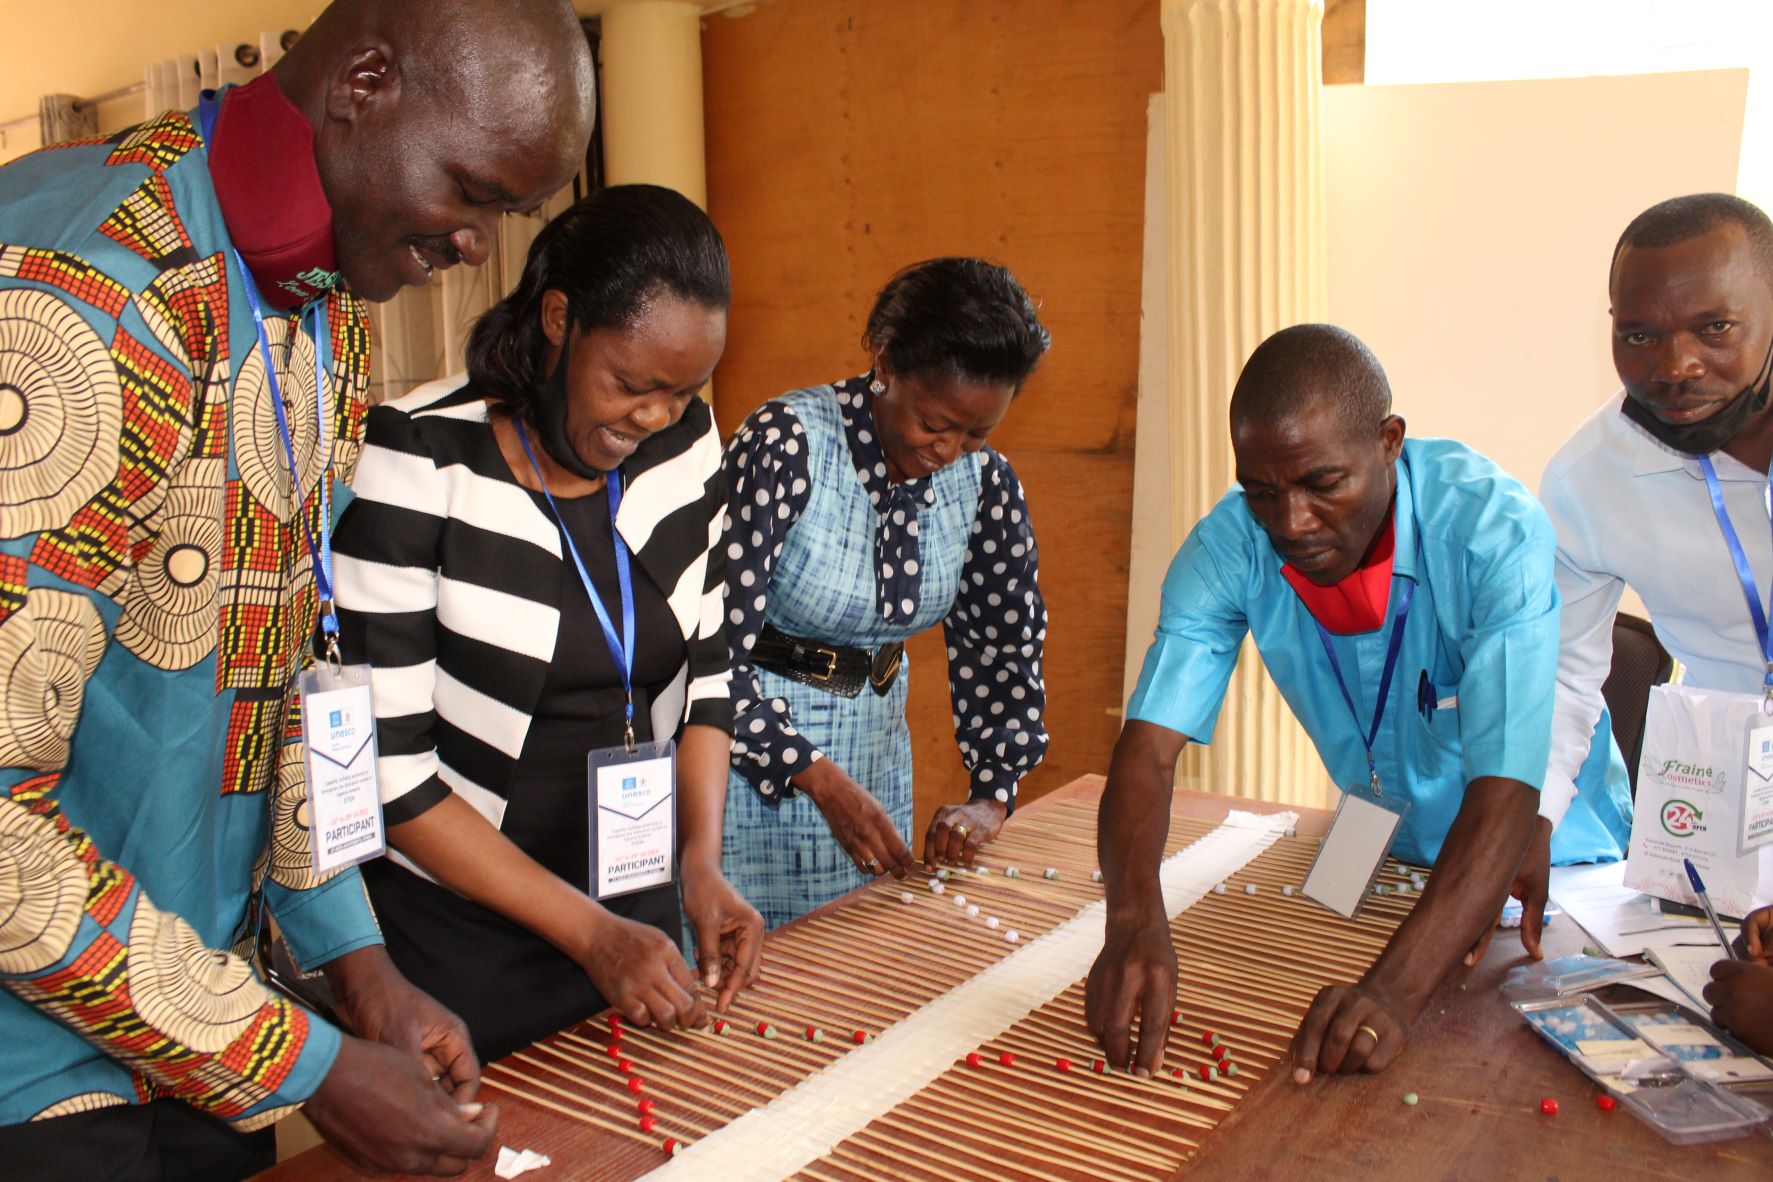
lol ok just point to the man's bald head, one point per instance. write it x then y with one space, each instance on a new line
1316 446
432 119
1307 367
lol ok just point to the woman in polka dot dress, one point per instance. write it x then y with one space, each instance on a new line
861 514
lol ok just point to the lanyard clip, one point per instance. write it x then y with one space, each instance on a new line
1374 782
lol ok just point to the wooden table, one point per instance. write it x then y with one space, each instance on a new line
1479 1071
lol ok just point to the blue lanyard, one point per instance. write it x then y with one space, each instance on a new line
1744 573
320 551
621 648
1392 649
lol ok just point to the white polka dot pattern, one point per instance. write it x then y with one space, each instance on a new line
995 630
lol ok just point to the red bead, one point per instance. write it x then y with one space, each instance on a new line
1007 1059
1175 1017
614 1050
720 1025
615 1021
1206 1072
648 1124
859 1037
645 1107
670 1146
763 1027
1220 1051
1099 1067
636 1084
1178 1073
1207 1037
1063 1064
625 1066
1222 1066
1548 1107
1605 1102
973 1059
812 1033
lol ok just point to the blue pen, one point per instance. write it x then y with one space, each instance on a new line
1705 902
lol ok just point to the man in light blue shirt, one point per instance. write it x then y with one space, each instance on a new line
1335 513
1691 295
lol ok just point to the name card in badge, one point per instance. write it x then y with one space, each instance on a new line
1353 852
633 817
344 798
1757 788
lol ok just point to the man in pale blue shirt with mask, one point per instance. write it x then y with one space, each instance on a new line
1691 293
1418 575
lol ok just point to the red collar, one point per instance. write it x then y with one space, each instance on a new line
268 185
1358 602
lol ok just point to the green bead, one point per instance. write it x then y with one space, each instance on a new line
1051 873
984 871
1011 872
1230 1068
769 1032
1410 1099
942 874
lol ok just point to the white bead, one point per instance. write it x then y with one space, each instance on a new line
960 900
1010 936
936 886
905 896
1095 876
1249 888
972 911
991 922
1218 888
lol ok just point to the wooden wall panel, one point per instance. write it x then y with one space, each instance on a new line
1345 41
847 138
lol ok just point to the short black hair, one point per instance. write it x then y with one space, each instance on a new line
1299 368
1682 219
958 316
611 254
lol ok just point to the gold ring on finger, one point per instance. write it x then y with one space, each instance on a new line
1364 1029
961 829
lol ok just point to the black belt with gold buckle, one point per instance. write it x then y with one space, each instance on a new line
836 668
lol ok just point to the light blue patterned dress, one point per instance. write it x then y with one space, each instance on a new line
813 533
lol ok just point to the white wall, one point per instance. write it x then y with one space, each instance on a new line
1470 230
1472 225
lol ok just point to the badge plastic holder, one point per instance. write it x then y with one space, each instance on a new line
346 827
1562 976
1650 1083
1706 1050
1356 834
605 758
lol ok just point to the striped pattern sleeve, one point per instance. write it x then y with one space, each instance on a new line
386 555
710 658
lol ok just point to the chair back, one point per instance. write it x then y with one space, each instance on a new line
1639 662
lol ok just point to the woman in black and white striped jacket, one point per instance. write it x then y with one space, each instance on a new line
492 675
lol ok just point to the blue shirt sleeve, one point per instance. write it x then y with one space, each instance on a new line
1510 650
996 632
768 475
1200 628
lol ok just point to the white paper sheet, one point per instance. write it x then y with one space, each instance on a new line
1623 922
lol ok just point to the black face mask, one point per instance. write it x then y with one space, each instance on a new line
1707 435
549 408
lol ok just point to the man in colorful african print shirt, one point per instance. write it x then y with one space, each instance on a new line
157 593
